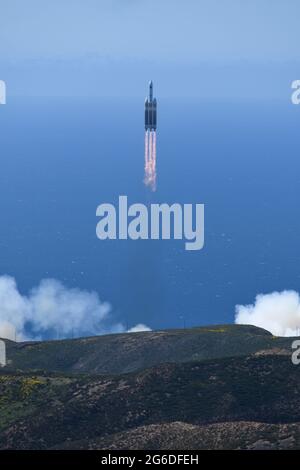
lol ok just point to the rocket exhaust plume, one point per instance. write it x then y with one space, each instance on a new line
150 140
150 159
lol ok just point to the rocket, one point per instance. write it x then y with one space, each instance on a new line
150 110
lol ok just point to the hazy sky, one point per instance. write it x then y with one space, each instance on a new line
179 30
205 48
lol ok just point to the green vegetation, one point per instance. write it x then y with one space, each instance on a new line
193 386
129 352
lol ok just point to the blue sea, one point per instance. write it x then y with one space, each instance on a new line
62 157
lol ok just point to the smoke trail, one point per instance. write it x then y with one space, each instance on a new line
150 159
147 157
154 160
146 151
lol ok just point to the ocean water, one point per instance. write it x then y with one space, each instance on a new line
61 158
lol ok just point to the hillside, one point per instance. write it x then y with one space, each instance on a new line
121 353
216 387
177 436
263 389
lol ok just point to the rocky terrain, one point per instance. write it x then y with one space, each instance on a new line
217 387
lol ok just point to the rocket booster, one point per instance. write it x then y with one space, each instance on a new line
150 110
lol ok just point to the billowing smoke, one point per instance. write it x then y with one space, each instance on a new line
51 310
278 312
139 327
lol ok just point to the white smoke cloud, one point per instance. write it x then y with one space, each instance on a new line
139 327
52 310
278 312
7 330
